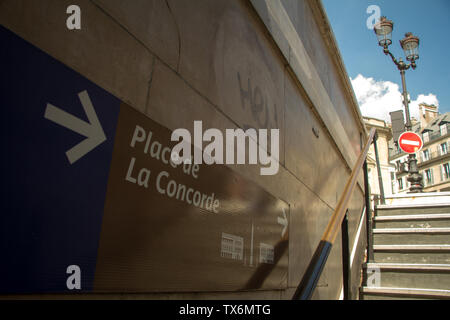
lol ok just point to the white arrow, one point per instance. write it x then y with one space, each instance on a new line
93 130
284 222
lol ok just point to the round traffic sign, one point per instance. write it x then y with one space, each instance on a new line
410 142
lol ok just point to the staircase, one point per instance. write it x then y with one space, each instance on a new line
411 246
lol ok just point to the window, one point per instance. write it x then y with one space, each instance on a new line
445 171
443 148
232 246
429 177
443 129
398 165
426 137
266 253
400 184
425 155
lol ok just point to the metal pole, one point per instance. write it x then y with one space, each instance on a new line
345 258
405 101
414 177
312 274
380 178
368 215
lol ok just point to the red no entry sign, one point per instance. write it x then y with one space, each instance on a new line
410 142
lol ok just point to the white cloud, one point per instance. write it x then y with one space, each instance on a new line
377 98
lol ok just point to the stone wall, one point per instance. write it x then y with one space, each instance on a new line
231 64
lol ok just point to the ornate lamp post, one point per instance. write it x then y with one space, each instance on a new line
410 45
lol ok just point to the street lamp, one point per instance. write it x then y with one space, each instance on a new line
410 45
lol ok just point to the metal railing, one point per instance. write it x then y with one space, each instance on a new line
396 152
432 155
338 221
438 134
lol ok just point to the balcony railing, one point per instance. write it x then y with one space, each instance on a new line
437 135
431 137
394 153
444 177
431 156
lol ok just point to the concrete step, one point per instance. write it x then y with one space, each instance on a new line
411 236
391 210
437 220
423 254
411 250
380 293
404 275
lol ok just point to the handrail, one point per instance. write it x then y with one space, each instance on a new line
309 281
380 175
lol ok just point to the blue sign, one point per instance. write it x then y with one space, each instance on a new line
57 136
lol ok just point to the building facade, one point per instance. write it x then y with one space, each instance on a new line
434 158
387 169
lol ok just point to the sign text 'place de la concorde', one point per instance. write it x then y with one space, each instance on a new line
91 200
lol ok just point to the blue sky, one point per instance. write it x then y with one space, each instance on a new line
429 20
